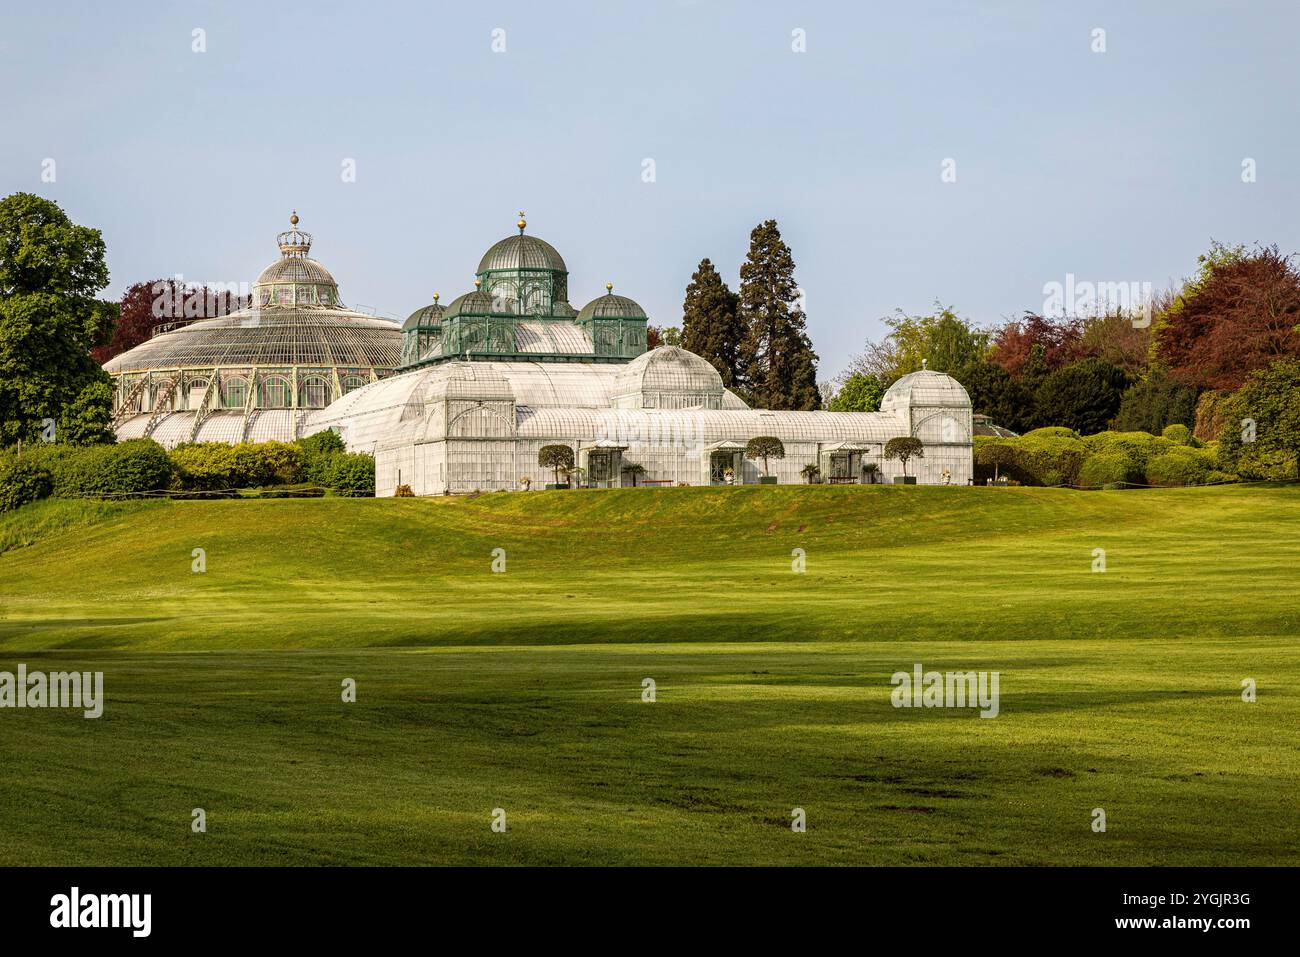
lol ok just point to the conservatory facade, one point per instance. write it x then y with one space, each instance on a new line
488 380
258 373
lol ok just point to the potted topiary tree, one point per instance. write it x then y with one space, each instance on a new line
765 447
557 458
998 455
870 470
575 472
904 447
633 469
810 473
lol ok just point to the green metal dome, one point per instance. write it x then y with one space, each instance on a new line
522 252
480 302
610 306
426 316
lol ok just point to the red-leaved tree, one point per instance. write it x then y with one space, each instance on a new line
1241 318
1061 342
147 305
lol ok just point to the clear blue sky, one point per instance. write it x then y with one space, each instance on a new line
1115 166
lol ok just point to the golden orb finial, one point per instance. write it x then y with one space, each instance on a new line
478 283
435 297
293 218
609 287
522 222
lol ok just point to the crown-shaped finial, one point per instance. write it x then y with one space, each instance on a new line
294 241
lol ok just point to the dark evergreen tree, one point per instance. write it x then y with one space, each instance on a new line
777 364
1084 396
1154 403
711 325
993 392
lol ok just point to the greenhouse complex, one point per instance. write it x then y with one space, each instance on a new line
464 396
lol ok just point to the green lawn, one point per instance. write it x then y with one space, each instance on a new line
522 690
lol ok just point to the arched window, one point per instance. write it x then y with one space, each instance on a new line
274 392
352 383
234 393
194 392
313 393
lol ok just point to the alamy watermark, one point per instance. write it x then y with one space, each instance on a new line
58 689
952 689
1075 299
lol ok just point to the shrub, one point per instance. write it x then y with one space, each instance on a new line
1179 466
1135 447
1179 434
404 491
318 452
136 465
1051 431
352 473
1104 469
216 465
22 481
1049 459
203 466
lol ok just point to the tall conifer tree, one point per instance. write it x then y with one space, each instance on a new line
776 357
711 325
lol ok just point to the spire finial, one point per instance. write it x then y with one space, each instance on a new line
293 218
435 297
609 288
522 222
478 283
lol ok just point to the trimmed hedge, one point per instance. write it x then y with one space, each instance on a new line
1058 456
209 466
136 465
1050 456
1108 468
1180 466
22 481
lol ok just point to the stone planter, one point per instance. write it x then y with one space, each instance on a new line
767 480
904 479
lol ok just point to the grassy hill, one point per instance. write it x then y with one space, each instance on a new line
522 690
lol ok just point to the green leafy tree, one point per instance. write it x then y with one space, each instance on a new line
50 271
904 448
942 341
859 393
555 457
764 447
656 336
776 359
711 323
1084 396
1261 437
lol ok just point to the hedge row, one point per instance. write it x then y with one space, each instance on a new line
195 470
1057 456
